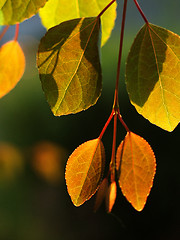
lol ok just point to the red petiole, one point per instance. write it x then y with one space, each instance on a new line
4 32
141 12
16 32
115 110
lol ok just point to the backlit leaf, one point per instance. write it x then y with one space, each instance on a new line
57 11
12 65
84 171
111 196
153 76
69 66
136 168
1 20
15 11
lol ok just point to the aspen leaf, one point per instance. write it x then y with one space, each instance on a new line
12 66
15 11
101 193
57 11
84 171
1 20
135 162
111 196
69 66
153 76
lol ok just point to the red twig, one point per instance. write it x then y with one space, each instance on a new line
113 154
4 32
101 13
106 124
16 32
120 55
122 122
141 12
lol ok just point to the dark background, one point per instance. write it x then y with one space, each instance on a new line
34 205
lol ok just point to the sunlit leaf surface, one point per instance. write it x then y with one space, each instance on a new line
57 11
15 11
136 169
153 76
1 20
69 66
84 171
12 65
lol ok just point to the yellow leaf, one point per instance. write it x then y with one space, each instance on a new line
69 65
135 162
12 66
153 76
15 11
58 11
84 171
111 196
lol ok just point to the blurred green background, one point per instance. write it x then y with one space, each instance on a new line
34 203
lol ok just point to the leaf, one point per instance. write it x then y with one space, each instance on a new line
58 11
135 163
111 196
12 66
84 171
1 20
101 193
17 11
69 66
153 76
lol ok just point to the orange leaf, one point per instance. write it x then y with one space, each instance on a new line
84 171
103 188
111 196
12 65
135 162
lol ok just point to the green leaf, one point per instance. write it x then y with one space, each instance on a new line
69 66
153 76
57 11
1 20
84 171
15 11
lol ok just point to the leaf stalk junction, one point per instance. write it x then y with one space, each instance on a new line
115 113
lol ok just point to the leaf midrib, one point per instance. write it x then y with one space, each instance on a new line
160 80
90 163
79 62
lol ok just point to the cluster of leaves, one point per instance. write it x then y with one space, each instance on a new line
70 72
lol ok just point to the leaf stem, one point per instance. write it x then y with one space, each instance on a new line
116 104
101 13
113 160
106 124
4 32
122 122
141 12
16 32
